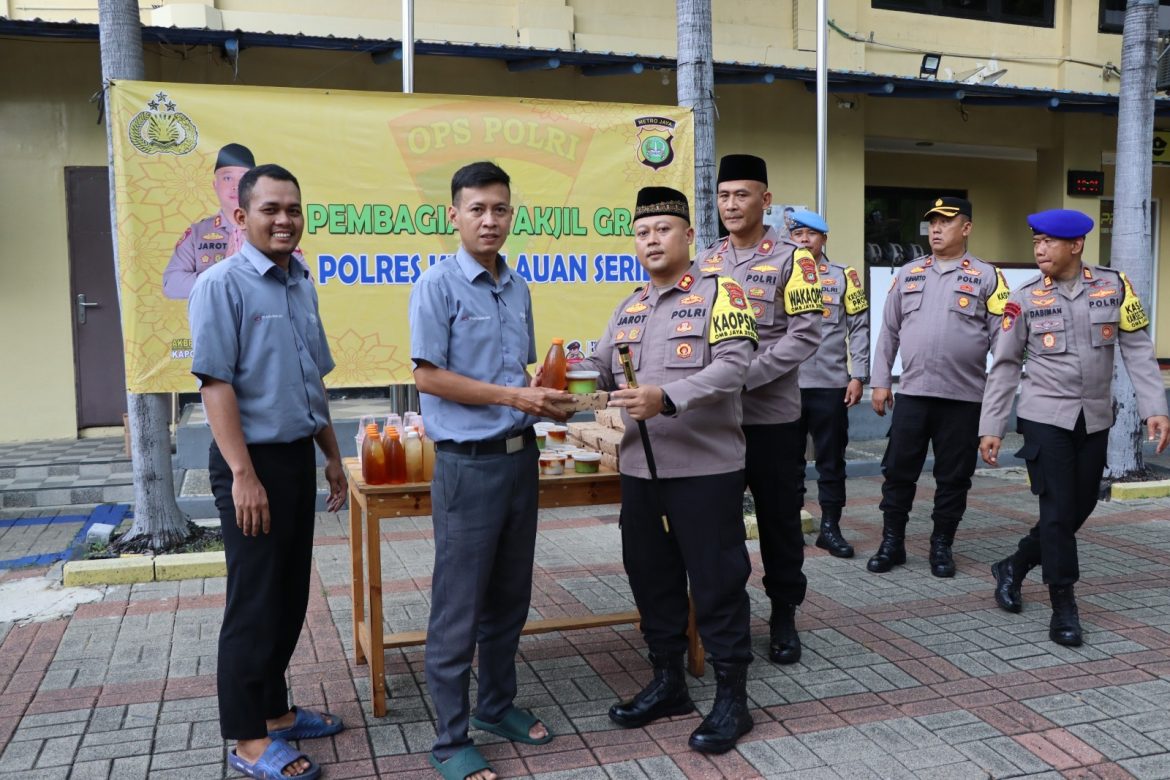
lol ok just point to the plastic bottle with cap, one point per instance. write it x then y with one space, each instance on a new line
555 366
373 457
414 456
395 457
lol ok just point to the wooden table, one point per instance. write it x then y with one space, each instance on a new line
370 504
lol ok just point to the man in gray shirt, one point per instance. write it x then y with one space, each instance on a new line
942 314
829 381
260 356
471 339
1070 321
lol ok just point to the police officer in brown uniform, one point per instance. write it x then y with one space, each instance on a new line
1069 321
212 239
942 313
831 380
691 335
784 291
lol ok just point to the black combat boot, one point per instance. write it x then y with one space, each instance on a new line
830 537
729 718
892 551
1009 576
665 695
784 643
1065 626
942 563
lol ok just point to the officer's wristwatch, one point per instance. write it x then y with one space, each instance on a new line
668 407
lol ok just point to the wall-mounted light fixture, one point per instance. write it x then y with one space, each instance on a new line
929 68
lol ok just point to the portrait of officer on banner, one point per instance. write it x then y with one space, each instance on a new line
213 238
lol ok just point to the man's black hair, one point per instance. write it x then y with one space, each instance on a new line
476 175
268 171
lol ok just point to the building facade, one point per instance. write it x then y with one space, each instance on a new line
999 104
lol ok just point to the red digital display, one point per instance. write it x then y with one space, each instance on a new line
1088 183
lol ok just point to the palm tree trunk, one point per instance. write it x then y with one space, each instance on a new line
696 90
156 513
1132 227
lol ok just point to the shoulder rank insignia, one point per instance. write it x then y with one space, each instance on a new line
218 221
637 307
929 262
1047 282
686 283
823 268
766 247
1087 273
966 263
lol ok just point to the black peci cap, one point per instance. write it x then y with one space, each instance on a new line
656 201
740 167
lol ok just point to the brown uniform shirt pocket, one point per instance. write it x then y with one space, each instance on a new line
1047 337
684 350
967 303
1104 323
911 300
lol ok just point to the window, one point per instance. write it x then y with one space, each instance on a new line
1112 17
1036 13
894 225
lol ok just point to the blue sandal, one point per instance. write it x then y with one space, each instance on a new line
270 766
309 725
515 726
466 762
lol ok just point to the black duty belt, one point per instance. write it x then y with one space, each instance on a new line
504 446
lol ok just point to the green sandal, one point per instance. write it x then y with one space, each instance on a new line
515 726
466 762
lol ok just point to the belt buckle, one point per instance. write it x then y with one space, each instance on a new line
514 444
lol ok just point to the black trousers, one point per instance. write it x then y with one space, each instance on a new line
952 429
775 475
706 544
267 585
1065 469
823 415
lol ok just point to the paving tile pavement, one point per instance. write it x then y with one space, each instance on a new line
903 675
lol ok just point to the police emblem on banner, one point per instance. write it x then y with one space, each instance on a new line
655 135
162 128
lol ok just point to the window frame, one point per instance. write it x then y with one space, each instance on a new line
993 14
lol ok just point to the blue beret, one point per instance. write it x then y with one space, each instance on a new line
809 219
1061 223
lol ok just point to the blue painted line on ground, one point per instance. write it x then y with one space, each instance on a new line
21 522
106 513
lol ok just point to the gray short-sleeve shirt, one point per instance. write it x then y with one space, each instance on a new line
463 321
259 328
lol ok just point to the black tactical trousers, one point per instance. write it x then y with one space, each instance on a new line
705 544
823 416
951 428
1065 469
775 475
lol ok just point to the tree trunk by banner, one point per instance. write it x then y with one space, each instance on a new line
1131 211
156 513
696 90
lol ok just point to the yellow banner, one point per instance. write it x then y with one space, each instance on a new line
375 172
